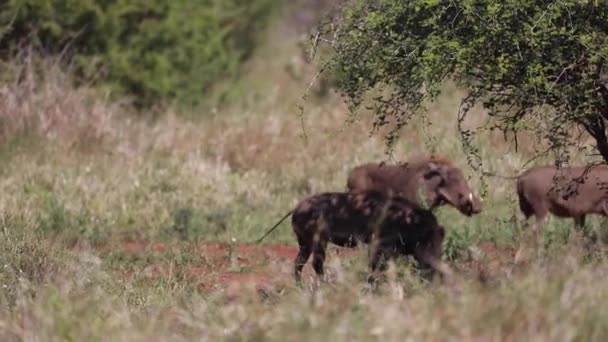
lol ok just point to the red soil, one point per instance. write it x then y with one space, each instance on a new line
244 249
271 265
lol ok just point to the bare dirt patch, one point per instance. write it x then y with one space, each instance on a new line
271 266
282 251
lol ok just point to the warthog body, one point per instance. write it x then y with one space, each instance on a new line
436 178
566 192
392 226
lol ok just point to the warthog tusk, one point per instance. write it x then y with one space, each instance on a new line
471 197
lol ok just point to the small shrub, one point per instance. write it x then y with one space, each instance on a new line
556 233
190 224
456 244
69 226
26 262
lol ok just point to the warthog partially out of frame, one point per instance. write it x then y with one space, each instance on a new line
436 178
391 225
565 192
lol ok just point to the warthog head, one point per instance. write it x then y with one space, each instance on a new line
446 183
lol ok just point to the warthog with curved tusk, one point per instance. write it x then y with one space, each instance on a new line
434 177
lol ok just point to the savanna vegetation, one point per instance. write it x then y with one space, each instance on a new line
535 66
116 224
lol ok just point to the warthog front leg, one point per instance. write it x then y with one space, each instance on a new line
378 263
430 254
422 254
536 240
536 230
579 221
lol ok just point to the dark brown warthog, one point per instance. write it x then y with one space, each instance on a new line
435 177
567 192
347 219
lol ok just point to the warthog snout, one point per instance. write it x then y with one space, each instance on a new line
472 204
465 201
434 181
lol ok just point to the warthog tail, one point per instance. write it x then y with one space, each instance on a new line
525 206
274 227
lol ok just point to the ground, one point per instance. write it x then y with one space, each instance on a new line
265 266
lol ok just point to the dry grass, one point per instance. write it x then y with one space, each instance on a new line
548 301
40 102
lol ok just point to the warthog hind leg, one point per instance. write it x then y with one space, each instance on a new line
300 261
318 258
579 221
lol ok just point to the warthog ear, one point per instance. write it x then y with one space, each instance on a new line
433 170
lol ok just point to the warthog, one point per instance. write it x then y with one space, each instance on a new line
436 178
391 225
566 192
